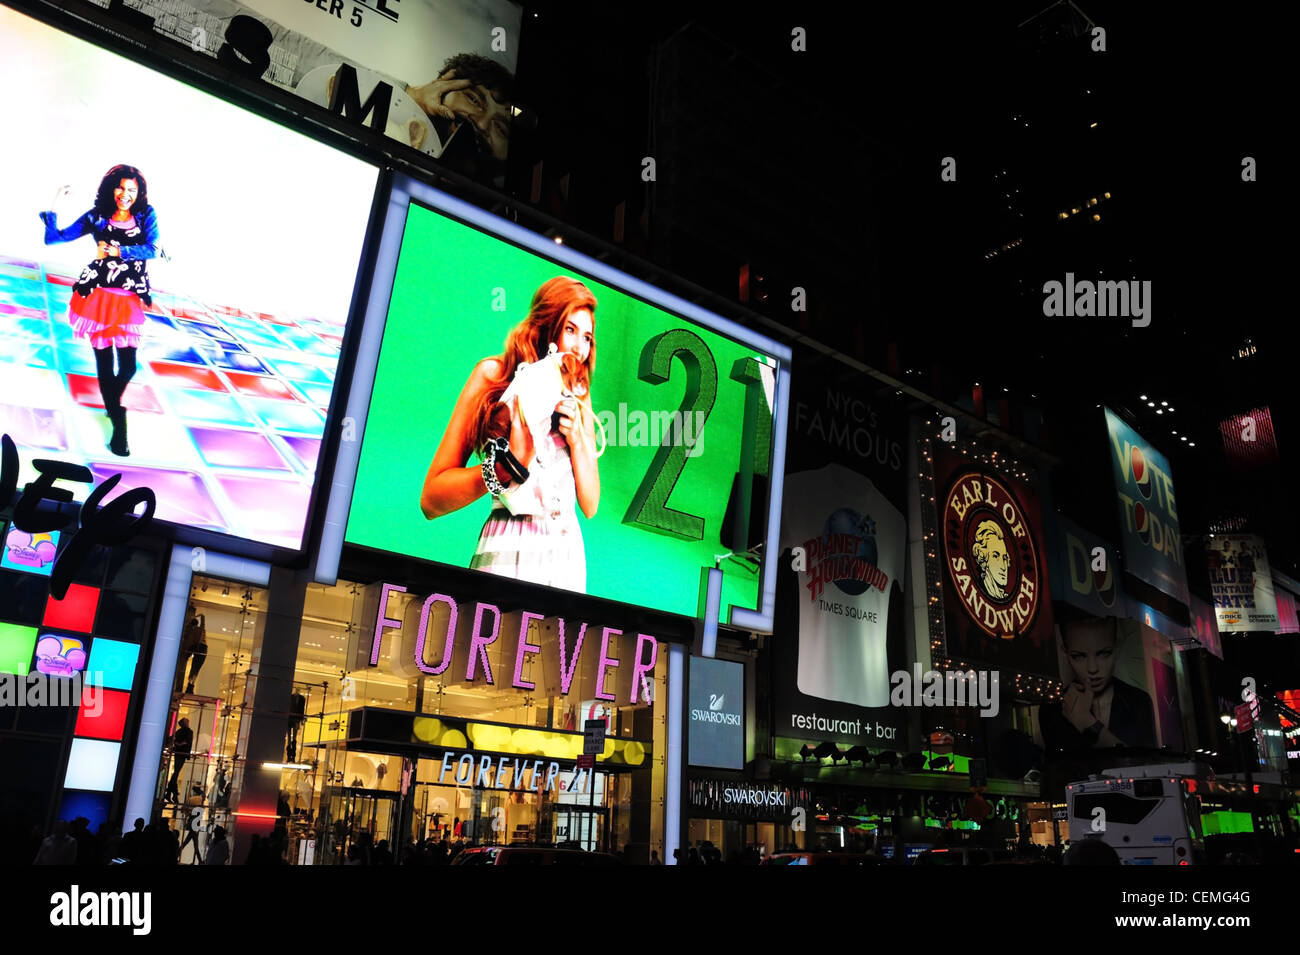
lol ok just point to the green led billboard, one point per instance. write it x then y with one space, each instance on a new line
683 415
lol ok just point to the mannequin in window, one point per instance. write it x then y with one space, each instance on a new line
193 821
221 788
297 709
182 743
194 650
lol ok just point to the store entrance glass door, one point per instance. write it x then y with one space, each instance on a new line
358 820
580 827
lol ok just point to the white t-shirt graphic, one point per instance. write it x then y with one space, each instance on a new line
854 541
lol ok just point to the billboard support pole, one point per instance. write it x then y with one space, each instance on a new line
675 779
710 610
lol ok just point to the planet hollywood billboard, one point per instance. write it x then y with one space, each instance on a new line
841 604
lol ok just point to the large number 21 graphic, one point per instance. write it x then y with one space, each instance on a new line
649 509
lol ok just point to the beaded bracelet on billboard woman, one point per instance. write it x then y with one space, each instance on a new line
107 306
528 414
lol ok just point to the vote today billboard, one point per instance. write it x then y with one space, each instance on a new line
1148 512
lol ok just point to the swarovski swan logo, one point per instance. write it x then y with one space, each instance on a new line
714 713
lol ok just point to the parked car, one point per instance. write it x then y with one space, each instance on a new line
531 855
957 855
822 858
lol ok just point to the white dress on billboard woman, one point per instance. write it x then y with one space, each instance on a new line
532 532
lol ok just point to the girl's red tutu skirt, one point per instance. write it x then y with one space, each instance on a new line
107 317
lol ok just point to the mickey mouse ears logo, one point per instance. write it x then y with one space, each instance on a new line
60 656
33 552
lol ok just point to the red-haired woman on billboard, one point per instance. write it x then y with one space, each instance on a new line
527 413
107 306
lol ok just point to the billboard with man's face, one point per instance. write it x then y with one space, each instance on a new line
435 75
1241 583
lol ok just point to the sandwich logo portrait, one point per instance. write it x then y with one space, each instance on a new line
845 555
991 557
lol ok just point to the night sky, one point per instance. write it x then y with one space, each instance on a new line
821 168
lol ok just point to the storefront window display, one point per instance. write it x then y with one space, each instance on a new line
203 763
477 742
383 762
739 821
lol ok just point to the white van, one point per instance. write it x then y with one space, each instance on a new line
1150 815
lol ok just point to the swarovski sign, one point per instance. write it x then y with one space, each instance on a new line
717 724
752 796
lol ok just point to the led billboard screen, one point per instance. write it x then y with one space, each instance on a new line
192 265
435 75
1144 490
647 438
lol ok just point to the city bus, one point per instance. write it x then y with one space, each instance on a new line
1150 815
1181 814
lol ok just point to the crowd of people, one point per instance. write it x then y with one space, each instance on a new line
706 853
72 843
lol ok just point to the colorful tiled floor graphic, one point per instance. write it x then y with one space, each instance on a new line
225 413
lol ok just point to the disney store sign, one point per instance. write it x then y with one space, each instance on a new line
114 523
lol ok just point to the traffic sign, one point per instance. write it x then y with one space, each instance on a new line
593 743
1245 719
